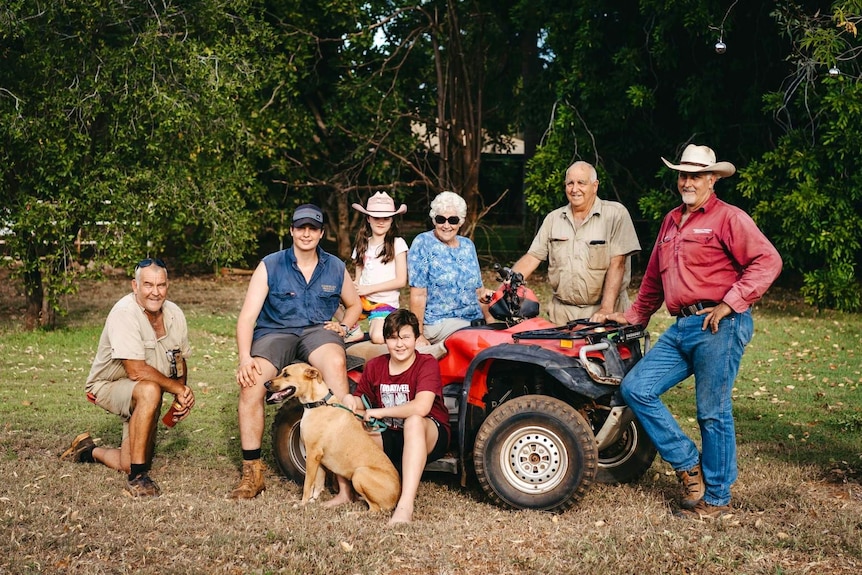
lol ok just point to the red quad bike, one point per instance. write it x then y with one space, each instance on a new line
535 408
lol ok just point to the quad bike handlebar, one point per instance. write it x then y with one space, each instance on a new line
512 302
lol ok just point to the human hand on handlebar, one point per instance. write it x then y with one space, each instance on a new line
617 317
601 316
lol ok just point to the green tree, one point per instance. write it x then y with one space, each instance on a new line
120 130
385 69
636 80
809 188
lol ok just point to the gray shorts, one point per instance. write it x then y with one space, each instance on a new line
439 331
281 349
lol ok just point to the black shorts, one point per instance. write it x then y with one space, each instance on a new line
281 349
393 444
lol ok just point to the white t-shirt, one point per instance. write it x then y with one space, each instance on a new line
374 272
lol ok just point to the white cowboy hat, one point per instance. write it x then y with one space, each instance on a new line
380 205
696 159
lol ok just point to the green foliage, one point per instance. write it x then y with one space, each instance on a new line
121 135
190 129
809 188
638 80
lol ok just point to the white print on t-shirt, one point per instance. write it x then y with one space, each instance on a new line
392 394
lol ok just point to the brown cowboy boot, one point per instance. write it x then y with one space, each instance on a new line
693 486
251 483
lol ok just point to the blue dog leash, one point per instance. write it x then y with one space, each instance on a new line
373 424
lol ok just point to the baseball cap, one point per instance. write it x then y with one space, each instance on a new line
307 215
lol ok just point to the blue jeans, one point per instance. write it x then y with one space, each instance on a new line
713 358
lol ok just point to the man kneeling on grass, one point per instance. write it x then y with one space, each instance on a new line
405 390
141 356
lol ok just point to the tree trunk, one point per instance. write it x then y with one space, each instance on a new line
34 291
341 231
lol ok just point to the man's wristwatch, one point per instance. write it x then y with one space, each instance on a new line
345 328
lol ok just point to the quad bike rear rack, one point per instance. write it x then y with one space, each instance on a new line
592 332
598 338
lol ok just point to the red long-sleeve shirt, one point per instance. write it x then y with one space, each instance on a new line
718 254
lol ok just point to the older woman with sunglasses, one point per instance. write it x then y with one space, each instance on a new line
446 290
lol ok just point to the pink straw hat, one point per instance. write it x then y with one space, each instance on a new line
380 205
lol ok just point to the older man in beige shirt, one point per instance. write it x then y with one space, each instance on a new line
588 246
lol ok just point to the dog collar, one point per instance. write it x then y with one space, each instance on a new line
314 404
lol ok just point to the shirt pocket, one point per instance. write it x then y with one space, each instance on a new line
150 350
665 251
700 250
558 251
328 303
286 302
597 256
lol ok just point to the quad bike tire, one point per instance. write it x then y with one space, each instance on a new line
535 452
628 458
287 446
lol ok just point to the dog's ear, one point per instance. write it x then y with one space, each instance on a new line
312 373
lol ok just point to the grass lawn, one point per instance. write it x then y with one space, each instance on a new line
798 501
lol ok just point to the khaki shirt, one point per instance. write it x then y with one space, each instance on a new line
578 256
128 335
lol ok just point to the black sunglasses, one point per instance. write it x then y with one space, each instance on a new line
147 262
453 220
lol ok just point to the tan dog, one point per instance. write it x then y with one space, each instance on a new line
335 439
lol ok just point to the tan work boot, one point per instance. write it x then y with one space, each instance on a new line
693 486
704 510
251 483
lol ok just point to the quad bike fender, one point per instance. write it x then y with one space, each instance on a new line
565 369
568 370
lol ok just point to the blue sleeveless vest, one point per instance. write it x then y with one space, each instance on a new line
292 304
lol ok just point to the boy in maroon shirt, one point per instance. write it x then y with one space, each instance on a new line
405 390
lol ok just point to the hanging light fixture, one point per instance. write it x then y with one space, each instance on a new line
720 46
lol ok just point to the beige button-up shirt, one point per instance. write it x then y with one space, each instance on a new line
578 256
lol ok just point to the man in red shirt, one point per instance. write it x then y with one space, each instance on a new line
710 264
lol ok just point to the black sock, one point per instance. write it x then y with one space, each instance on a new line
250 454
137 469
87 455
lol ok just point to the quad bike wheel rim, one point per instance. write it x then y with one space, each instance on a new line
534 460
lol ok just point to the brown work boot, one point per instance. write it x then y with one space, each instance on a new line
81 445
251 483
703 510
142 486
693 486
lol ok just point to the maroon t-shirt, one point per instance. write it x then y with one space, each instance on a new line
385 390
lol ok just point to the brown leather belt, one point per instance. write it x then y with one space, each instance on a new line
692 309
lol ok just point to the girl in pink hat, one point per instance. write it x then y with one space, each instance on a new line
380 258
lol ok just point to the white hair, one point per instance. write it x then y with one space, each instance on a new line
138 272
448 202
581 164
